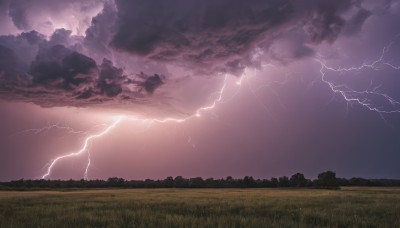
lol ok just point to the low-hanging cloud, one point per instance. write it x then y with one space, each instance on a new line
111 61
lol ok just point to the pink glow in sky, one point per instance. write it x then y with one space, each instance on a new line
198 88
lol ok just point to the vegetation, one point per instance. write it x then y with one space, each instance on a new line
326 180
350 207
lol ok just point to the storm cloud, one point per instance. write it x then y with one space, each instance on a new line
69 67
274 87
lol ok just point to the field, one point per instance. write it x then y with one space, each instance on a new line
349 207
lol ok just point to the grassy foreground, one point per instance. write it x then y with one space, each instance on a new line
349 207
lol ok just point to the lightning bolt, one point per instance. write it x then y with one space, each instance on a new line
50 127
350 95
197 113
83 149
362 97
85 175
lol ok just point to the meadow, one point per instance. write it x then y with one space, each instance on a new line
348 207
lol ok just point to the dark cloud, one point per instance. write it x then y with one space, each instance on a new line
355 23
214 33
151 83
9 63
60 76
60 36
17 12
61 67
99 34
32 37
203 37
292 120
47 15
110 79
222 34
324 20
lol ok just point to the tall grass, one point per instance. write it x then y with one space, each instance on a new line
350 207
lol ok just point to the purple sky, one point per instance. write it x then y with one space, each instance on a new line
199 88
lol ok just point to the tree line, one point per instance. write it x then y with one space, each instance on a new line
326 179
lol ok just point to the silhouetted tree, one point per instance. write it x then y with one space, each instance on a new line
113 182
229 182
298 180
327 180
284 182
248 182
196 182
343 181
274 182
357 181
168 182
180 182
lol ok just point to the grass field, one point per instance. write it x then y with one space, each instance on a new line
349 207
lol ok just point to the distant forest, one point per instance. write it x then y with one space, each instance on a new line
326 179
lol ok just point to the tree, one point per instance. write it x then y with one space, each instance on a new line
298 180
229 182
180 182
113 182
196 182
283 182
274 182
327 180
169 182
248 182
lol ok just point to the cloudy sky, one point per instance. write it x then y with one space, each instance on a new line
150 89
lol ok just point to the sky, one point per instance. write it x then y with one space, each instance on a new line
149 89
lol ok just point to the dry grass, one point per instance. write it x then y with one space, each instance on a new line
349 207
